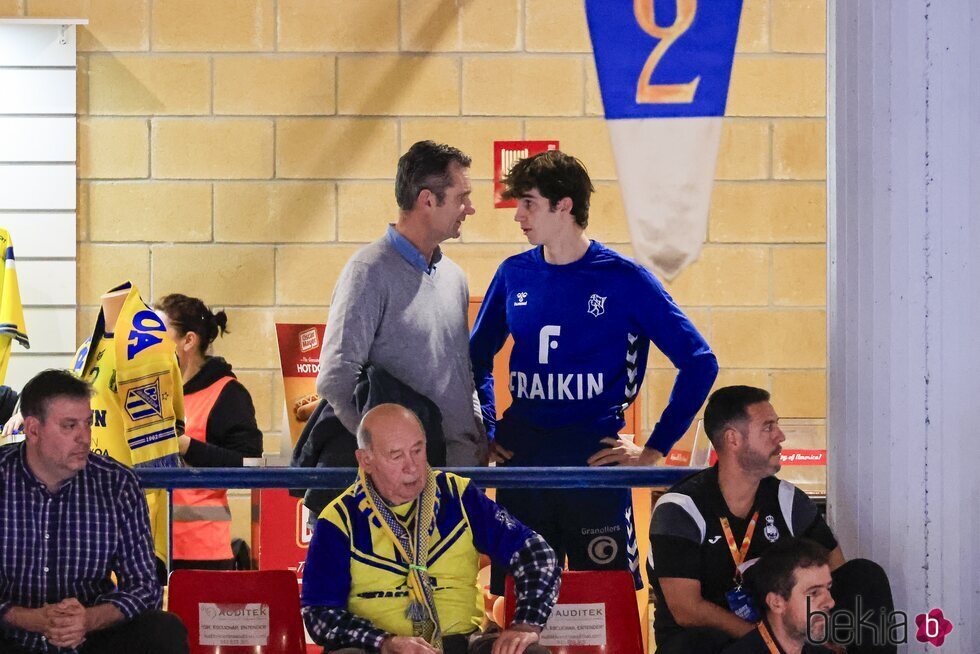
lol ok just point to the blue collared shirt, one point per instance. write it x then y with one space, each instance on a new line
65 544
410 253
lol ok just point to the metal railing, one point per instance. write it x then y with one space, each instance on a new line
516 477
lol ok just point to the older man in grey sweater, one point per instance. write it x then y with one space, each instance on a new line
401 305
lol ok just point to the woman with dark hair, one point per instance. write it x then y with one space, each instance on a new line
220 432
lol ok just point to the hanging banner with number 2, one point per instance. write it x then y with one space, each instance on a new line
664 69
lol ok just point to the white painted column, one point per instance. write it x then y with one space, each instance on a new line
37 183
904 300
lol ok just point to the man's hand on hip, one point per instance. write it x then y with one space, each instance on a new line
515 639
624 452
407 645
499 454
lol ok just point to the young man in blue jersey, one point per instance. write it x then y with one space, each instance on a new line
582 317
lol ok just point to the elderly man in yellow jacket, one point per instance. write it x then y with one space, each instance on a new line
393 561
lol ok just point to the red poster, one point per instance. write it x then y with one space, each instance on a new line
505 155
299 357
280 534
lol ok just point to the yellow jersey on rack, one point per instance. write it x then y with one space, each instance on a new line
11 312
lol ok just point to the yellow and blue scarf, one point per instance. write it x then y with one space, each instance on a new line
147 386
414 548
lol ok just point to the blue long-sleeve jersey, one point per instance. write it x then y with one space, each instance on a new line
582 332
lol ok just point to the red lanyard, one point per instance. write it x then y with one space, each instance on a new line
738 555
767 638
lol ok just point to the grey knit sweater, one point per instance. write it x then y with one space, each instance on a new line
387 312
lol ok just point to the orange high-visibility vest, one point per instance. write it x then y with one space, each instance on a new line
201 517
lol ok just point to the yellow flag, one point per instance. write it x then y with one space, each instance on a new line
11 312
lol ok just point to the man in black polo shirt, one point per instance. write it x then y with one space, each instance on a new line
711 523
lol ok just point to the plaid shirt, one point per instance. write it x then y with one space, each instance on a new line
65 544
537 578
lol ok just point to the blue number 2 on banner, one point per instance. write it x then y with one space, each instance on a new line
663 58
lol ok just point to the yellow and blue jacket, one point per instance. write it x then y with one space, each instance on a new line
352 564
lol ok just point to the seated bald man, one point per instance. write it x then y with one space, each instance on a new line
393 561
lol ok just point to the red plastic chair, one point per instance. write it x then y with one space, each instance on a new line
612 588
276 589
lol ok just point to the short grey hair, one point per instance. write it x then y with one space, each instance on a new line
363 437
426 165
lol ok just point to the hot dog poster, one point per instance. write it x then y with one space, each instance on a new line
299 358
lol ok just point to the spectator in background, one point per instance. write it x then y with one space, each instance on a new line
220 432
788 583
72 520
8 410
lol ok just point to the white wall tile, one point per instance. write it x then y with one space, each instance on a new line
37 187
42 91
46 283
36 45
51 138
41 235
50 330
24 366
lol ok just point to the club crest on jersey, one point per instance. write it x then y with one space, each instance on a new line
521 299
597 305
505 518
771 531
144 401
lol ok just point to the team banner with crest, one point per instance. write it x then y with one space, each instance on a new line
664 69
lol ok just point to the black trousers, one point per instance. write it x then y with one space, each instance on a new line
153 632
859 586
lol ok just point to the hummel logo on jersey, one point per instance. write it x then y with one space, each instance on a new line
521 299
597 305
714 540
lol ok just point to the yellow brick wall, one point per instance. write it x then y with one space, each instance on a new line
240 150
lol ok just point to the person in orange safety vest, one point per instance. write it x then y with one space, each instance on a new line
220 432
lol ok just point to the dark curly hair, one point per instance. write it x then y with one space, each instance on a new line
556 175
